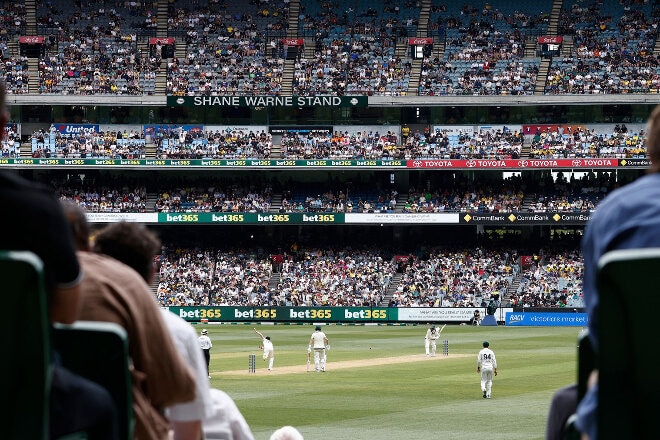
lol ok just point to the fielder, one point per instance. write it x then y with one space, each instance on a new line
269 350
432 334
319 342
487 366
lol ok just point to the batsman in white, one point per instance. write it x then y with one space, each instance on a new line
432 334
320 343
269 350
487 366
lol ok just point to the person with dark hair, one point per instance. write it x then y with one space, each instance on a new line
487 368
212 414
37 224
114 292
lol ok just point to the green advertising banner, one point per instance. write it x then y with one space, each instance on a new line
267 101
252 218
286 314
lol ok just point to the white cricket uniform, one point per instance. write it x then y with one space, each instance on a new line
430 341
269 352
487 362
318 341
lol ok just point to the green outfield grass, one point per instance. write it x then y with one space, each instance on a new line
415 398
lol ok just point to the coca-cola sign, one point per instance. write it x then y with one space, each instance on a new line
31 39
549 39
293 41
161 41
419 41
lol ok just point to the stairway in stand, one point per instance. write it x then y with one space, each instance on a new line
391 288
151 201
154 283
276 202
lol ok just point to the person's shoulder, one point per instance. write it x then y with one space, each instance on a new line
643 191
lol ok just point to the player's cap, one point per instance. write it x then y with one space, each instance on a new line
486 344
204 332
318 327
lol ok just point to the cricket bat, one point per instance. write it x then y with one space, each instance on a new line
443 327
308 361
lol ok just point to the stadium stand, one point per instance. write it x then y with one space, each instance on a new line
141 52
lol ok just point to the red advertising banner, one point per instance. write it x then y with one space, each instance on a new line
162 41
532 129
526 260
31 39
549 39
419 41
293 41
513 163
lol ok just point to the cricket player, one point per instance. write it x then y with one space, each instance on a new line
206 345
319 342
269 350
487 366
432 335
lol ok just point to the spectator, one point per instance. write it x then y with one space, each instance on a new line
112 291
212 411
628 218
38 225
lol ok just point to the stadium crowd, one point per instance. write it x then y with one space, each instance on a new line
222 48
442 277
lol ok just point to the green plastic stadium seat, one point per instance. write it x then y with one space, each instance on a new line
99 352
628 379
26 375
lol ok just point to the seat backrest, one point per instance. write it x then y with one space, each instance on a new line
99 352
627 281
26 371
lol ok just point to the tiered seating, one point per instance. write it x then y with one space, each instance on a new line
455 278
354 51
11 143
12 18
301 197
580 143
347 145
14 70
613 50
215 196
484 53
225 49
111 145
554 281
462 195
92 49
